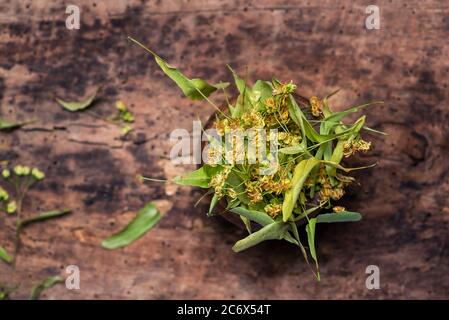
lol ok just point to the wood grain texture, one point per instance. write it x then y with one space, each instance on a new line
321 45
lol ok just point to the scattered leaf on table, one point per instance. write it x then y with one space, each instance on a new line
43 216
5 256
6 125
146 218
46 284
78 106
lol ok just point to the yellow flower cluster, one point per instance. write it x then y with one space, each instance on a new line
226 125
253 119
350 148
253 191
284 88
218 181
315 106
289 138
273 209
327 190
338 209
270 185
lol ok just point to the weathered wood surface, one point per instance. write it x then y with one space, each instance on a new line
321 45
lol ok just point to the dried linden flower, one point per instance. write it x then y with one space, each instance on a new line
273 209
315 106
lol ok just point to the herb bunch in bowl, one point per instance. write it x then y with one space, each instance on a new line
274 158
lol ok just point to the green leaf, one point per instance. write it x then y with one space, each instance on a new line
221 85
336 117
257 216
78 106
195 89
239 82
5 256
298 117
310 229
46 284
198 178
261 90
213 202
146 218
343 216
295 232
7 126
300 174
247 223
243 102
299 148
42 217
273 231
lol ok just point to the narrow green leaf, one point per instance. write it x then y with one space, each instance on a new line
213 202
243 102
46 284
195 89
221 85
343 216
257 216
298 117
43 216
295 232
375 131
310 229
146 218
239 82
326 109
247 223
336 117
299 148
273 231
78 106
300 174
5 256
8 126
338 166
198 178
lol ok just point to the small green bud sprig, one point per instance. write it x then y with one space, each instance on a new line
124 118
20 179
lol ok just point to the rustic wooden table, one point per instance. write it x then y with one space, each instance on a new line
321 45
